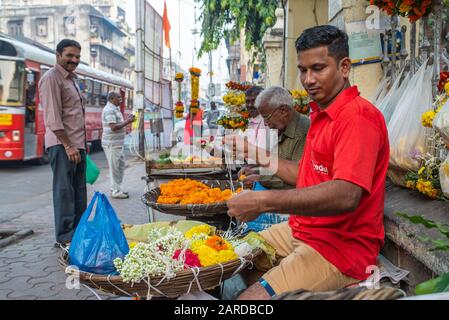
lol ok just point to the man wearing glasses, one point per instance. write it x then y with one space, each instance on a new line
274 106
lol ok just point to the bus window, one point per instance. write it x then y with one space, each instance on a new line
104 95
12 83
96 93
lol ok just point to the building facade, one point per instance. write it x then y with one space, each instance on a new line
101 30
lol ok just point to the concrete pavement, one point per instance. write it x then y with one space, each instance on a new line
29 268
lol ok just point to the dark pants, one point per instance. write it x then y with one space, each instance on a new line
69 192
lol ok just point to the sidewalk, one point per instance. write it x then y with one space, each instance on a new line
29 268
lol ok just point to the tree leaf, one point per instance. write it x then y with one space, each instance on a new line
440 284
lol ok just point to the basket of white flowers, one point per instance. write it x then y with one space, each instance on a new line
170 263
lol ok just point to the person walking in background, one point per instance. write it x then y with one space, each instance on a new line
113 140
65 139
211 120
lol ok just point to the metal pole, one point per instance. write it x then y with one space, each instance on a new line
386 59
394 26
437 44
140 76
425 45
413 48
403 54
210 79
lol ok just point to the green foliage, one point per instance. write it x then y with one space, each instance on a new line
225 18
439 244
440 284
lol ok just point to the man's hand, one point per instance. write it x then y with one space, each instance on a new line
249 170
249 180
73 154
131 118
246 206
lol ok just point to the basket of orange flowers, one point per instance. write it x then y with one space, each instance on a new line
188 197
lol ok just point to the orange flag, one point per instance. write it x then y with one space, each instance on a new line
167 26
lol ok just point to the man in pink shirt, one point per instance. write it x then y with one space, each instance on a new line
65 139
256 126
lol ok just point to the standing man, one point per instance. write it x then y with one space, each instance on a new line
256 127
65 139
335 230
113 141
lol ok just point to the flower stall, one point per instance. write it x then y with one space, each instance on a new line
414 95
234 99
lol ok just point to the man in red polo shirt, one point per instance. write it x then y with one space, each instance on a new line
335 230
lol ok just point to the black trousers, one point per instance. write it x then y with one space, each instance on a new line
69 192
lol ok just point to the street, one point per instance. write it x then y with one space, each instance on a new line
25 186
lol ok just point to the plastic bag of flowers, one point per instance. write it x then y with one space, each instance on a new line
406 133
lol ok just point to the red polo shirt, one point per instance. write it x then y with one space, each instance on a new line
346 141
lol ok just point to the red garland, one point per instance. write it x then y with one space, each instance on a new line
444 77
191 259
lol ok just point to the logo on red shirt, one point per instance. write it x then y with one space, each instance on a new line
320 168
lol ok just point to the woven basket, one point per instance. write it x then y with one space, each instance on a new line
190 210
186 281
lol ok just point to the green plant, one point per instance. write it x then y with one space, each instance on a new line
439 244
226 18
441 283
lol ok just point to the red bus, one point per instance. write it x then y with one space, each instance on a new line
22 127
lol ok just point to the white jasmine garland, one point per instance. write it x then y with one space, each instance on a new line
153 258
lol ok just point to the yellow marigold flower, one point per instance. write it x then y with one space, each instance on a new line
427 118
132 244
421 170
446 88
201 229
226 255
404 8
207 255
410 184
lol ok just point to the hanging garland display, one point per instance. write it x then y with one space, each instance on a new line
179 107
412 9
195 75
301 101
234 99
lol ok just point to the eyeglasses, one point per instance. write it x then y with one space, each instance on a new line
267 118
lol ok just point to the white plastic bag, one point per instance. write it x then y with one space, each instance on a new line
407 135
388 104
441 122
444 176
381 91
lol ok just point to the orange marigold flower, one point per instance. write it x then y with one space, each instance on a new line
217 243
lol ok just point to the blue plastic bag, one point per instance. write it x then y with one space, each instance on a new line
267 219
98 241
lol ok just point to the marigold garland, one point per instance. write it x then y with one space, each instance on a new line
179 106
187 191
413 9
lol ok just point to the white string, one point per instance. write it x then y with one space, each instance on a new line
123 291
91 290
196 272
242 265
222 273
